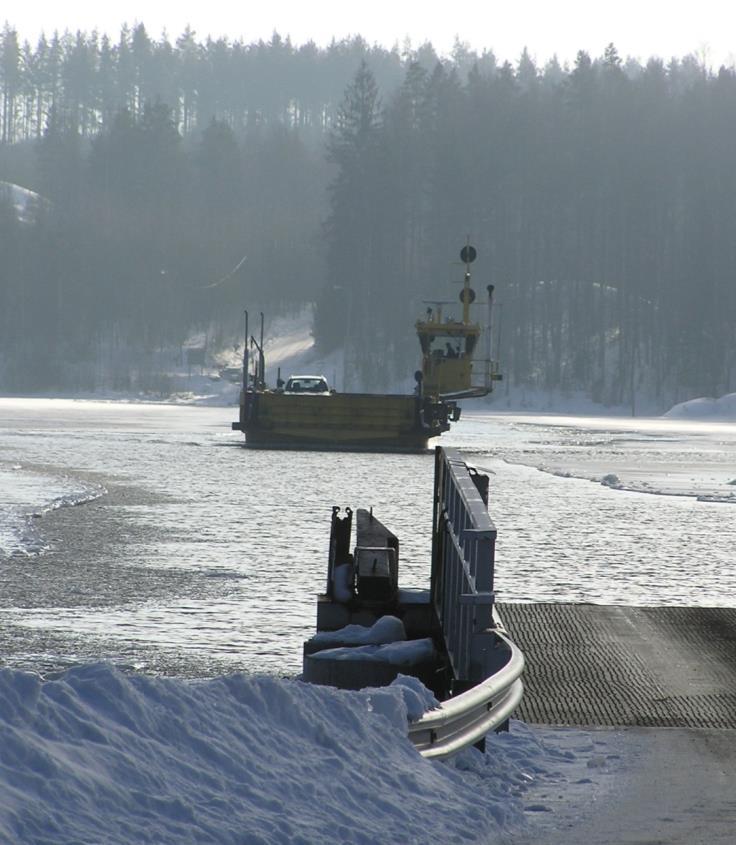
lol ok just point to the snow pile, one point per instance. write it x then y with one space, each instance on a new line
384 642
417 698
387 629
706 409
95 755
410 653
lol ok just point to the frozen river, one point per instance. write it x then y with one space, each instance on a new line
147 535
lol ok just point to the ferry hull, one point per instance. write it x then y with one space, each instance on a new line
343 421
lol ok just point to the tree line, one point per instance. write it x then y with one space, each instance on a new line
601 199
84 79
143 238
185 181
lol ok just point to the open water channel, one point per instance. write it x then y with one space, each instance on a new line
147 534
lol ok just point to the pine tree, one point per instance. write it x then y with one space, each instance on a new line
352 149
10 80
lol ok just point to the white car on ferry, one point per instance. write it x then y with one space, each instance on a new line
307 386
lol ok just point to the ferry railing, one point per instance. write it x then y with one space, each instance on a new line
486 665
463 553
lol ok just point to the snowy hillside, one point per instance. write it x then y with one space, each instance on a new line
22 200
289 346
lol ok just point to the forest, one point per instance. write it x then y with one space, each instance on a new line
176 183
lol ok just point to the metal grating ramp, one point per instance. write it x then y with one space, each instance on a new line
611 666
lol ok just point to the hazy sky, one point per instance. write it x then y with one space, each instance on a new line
638 27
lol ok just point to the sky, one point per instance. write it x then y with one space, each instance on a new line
639 28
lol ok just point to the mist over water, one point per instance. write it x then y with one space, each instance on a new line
203 557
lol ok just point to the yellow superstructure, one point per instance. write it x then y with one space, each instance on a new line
447 354
450 346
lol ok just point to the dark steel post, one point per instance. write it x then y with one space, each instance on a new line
246 362
489 365
340 534
262 359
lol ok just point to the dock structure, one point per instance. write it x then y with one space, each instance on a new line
614 666
450 637
456 614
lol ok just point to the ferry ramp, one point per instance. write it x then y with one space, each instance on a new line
614 666
662 680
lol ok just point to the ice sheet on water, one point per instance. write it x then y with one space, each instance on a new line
24 496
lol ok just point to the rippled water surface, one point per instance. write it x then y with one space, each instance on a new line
203 556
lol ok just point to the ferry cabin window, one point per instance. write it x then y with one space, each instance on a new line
439 345
445 347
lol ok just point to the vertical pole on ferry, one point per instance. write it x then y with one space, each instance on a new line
245 354
466 290
489 367
467 255
261 359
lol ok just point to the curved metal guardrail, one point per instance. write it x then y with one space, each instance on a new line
466 718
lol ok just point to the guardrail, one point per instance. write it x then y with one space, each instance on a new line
465 719
486 665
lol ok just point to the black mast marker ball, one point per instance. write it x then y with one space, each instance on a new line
468 254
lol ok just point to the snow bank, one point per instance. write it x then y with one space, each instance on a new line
95 755
410 653
387 629
723 409
417 698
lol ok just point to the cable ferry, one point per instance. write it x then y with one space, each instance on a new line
305 413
